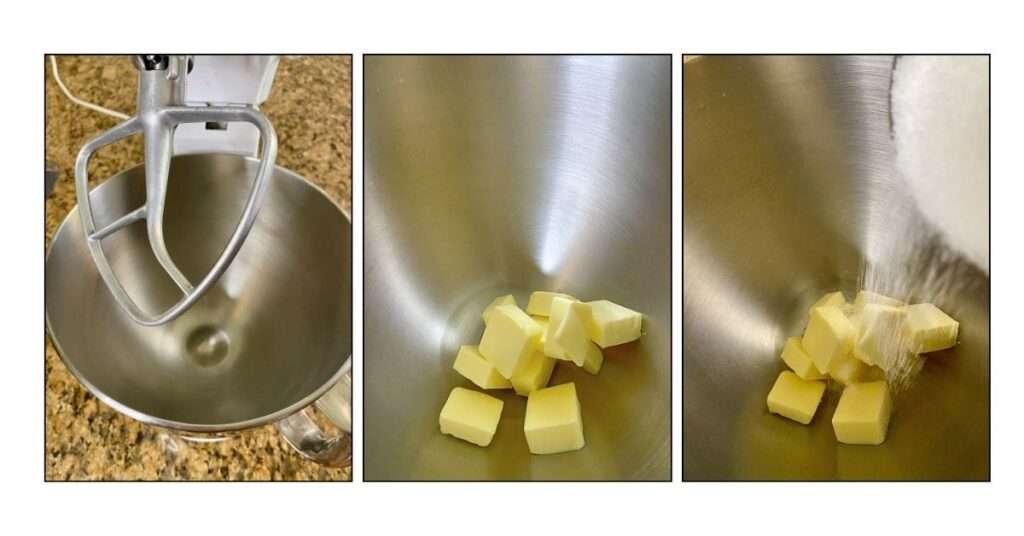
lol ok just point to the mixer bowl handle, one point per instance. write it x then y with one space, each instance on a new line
157 131
302 432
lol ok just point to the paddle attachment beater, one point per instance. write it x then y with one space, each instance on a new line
163 82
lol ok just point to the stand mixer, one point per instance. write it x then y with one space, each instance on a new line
231 307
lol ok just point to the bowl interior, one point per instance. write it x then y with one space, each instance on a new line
487 176
790 191
272 334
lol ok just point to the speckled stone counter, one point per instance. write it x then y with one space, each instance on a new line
310 107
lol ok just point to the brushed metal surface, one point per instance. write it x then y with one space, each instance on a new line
267 340
490 175
790 191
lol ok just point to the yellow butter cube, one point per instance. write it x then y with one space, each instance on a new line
865 297
475 368
610 324
829 336
471 416
795 398
534 374
593 360
848 369
559 307
507 299
832 299
796 358
850 312
854 318
542 323
540 302
862 416
571 336
554 422
509 339
879 338
929 329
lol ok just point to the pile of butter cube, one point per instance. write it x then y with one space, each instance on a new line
854 345
519 350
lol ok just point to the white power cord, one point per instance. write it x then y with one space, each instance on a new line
78 101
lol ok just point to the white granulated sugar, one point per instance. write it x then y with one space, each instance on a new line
940 123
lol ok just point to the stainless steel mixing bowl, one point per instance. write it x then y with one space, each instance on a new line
269 339
490 175
790 191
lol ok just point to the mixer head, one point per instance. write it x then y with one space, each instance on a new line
163 81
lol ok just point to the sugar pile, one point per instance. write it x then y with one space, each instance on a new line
940 126
932 245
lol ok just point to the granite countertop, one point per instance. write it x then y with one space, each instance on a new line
310 107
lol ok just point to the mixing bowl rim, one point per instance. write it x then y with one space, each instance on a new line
146 418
